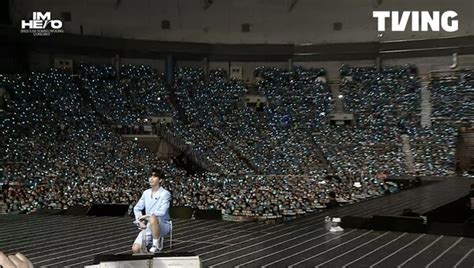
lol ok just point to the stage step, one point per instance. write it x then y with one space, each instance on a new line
3 208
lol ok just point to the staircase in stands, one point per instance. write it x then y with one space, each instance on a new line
425 105
338 107
409 159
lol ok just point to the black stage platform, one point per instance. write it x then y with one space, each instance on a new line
58 241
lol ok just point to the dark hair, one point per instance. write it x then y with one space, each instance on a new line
156 172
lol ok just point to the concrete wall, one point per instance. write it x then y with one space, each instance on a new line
332 67
42 62
214 65
270 20
248 68
427 64
39 61
157 64
193 64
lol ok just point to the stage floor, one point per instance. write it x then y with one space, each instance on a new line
58 241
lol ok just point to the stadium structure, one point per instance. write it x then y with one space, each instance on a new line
289 133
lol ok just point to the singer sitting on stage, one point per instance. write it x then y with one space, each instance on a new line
156 202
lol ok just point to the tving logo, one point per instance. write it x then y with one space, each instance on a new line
420 20
41 25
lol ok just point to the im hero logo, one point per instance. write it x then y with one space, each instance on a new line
420 20
41 25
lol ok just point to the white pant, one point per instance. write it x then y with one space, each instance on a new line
164 231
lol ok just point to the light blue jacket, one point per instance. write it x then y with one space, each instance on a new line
157 205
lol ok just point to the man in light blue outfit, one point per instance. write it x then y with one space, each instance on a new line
156 202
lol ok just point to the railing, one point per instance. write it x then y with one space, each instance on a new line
239 153
180 143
